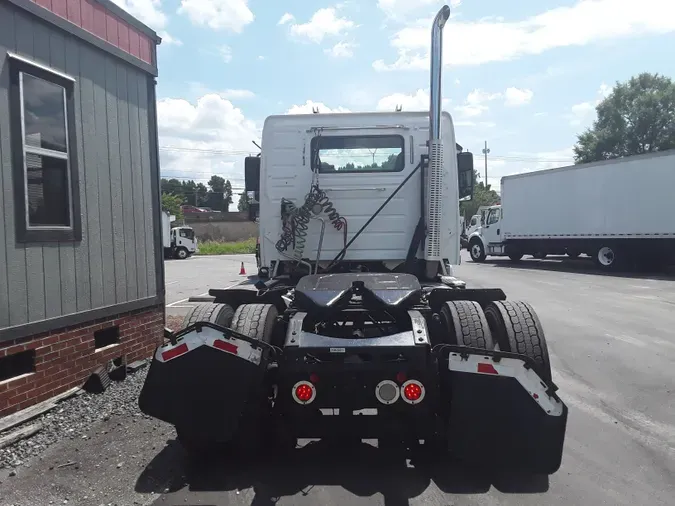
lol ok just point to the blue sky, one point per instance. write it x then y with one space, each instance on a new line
525 76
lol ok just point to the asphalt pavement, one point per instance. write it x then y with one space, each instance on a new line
612 348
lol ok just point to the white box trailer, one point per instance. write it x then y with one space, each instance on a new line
616 211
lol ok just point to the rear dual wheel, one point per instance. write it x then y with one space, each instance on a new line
516 328
255 321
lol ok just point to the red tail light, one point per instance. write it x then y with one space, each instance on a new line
304 392
413 391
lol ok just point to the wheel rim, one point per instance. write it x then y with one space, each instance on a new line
475 251
606 256
181 253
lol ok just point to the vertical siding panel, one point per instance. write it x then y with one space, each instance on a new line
117 210
98 72
57 47
34 270
89 69
127 183
147 189
6 189
137 182
82 299
48 254
12 26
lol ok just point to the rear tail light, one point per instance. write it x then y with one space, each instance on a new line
413 391
304 392
387 392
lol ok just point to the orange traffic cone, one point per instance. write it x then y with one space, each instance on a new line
242 271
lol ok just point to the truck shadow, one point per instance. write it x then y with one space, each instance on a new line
361 469
581 265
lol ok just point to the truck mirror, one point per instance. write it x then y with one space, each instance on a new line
252 175
465 175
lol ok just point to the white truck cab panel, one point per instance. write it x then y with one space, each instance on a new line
362 159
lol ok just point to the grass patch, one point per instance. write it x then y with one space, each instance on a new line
227 248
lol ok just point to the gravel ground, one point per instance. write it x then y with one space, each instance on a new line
72 418
174 322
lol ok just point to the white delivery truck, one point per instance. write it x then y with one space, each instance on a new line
616 211
178 242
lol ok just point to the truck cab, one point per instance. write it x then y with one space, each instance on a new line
487 239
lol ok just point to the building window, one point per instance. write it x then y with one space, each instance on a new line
362 153
44 153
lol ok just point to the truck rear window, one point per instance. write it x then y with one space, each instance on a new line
363 153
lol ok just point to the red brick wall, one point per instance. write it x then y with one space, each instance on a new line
66 357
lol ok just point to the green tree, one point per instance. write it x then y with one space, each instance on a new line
482 196
227 196
171 204
242 205
637 117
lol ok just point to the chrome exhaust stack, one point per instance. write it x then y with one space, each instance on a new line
434 179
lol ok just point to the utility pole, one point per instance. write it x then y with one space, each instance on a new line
485 152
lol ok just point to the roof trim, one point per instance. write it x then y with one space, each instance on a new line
122 14
81 33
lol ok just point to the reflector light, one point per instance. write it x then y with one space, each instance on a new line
486 369
174 352
413 391
225 346
303 392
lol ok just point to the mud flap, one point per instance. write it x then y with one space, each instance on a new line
502 415
203 383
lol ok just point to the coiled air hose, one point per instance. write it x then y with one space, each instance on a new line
295 220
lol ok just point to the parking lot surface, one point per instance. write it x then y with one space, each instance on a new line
612 349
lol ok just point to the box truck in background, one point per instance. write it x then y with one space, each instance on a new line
178 242
619 212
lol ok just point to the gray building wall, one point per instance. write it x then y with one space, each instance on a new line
117 260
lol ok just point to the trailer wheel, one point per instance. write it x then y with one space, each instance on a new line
220 314
517 329
476 250
607 257
466 325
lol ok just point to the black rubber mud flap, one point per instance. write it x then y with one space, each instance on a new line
203 391
495 423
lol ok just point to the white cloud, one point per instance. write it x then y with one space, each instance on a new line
341 50
212 136
147 11
168 40
518 96
229 15
323 23
285 19
309 105
581 113
261 57
489 40
398 10
476 103
234 94
225 53
418 101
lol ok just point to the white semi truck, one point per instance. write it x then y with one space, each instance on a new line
618 212
356 327
178 242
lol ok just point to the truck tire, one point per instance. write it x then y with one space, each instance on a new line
515 256
256 321
517 329
220 314
476 250
181 253
466 325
